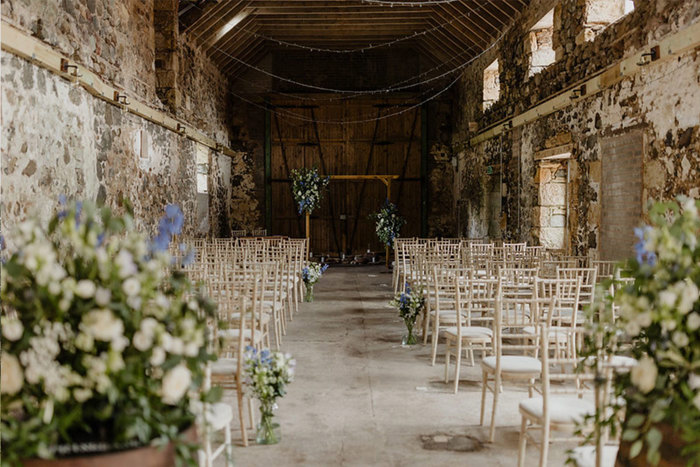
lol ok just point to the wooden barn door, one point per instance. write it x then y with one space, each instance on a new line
390 146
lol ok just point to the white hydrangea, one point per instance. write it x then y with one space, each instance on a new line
12 328
11 376
689 294
175 384
693 321
85 289
103 296
125 262
644 374
142 341
131 287
680 339
102 325
158 356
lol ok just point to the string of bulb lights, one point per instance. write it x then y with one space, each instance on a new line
299 117
355 50
391 3
363 92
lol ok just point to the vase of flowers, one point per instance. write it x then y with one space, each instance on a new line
103 346
659 325
268 374
409 304
310 275
307 188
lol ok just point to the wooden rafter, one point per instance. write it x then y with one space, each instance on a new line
239 32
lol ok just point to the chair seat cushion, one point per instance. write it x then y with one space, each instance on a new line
471 332
514 364
235 334
584 456
562 409
555 333
219 415
224 366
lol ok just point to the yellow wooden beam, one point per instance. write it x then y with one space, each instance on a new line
23 45
669 48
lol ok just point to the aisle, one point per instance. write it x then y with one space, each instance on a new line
360 399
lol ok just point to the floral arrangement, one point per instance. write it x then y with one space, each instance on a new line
103 346
388 223
409 304
312 273
268 374
307 186
659 325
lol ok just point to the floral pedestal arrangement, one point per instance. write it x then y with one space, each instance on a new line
104 347
267 376
409 304
388 223
658 324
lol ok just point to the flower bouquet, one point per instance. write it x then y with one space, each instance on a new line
659 325
409 304
310 275
268 374
307 186
103 347
388 223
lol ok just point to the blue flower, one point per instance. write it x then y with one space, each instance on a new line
643 255
189 258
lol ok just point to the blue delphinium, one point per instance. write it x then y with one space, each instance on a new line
171 224
643 255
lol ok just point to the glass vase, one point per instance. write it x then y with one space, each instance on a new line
309 295
409 339
268 431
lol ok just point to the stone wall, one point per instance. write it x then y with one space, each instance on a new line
80 146
661 101
58 139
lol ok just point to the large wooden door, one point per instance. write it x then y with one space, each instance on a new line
389 146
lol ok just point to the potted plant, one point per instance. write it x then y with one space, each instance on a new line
104 347
268 374
310 275
659 325
409 304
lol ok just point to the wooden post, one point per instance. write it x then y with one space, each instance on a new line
308 234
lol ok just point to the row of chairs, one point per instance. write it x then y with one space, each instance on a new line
257 286
251 233
522 309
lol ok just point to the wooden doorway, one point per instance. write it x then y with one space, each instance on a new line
389 146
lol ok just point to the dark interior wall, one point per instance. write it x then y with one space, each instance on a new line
367 71
661 102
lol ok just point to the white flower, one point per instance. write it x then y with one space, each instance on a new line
667 298
148 326
48 412
694 381
54 288
142 341
11 377
689 295
644 319
158 356
175 384
85 288
12 329
131 287
103 296
85 342
119 343
644 374
191 349
680 339
632 328
125 262
82 394
102 325
696 400
115 362
693 321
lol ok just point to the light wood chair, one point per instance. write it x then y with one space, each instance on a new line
474 326
555 410
514 350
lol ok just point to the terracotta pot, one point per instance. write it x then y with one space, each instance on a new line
670 451
147 456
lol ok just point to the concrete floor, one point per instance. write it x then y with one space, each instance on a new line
361 399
